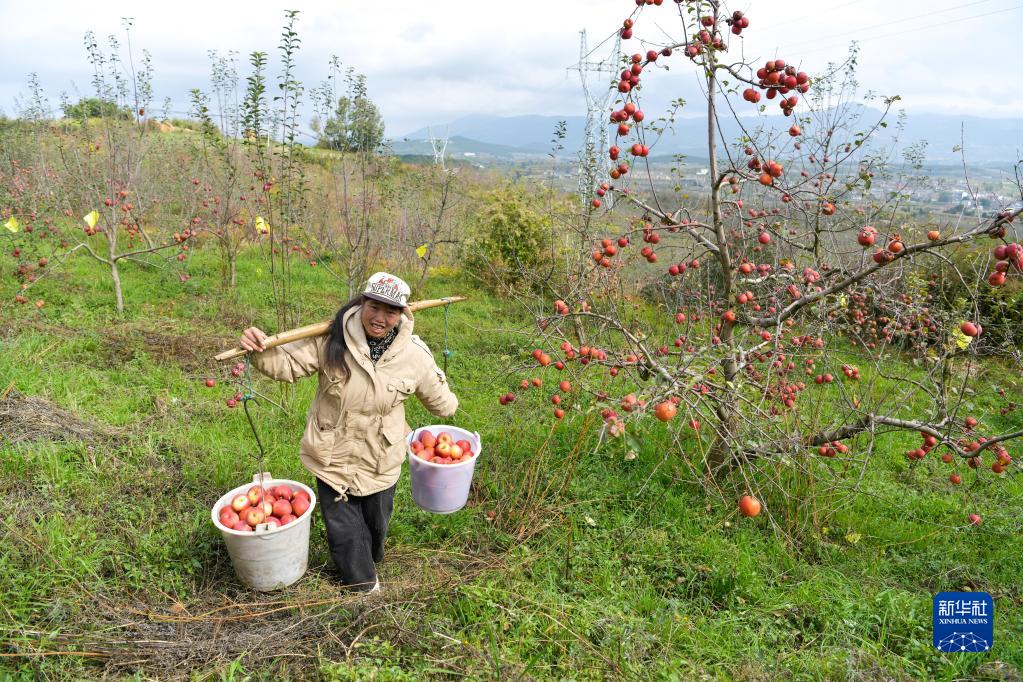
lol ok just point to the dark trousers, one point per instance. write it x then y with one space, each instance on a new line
356 529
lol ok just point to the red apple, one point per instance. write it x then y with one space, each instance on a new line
749 505
228 517
240 503
284 492
281 508
299 506
241 525
286 519
255 494
665 411
254 516
465 445
969 329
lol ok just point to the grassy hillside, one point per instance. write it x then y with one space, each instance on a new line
594 564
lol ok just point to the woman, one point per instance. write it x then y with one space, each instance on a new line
368 364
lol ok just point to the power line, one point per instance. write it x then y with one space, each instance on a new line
807 17
887 24
915 30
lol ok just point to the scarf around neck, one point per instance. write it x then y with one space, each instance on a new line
377 347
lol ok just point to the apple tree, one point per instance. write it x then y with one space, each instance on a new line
801 315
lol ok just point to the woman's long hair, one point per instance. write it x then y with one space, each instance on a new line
336 345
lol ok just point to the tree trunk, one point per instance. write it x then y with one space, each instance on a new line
115 273
723 450
115 276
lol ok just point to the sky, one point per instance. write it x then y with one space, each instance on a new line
431 62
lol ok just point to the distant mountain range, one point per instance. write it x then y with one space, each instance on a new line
993 142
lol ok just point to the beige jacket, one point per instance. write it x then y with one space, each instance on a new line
355 431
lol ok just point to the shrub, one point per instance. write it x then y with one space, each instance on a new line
508 239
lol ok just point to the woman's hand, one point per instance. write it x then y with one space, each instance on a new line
253 339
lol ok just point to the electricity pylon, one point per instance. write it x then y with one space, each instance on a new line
598 94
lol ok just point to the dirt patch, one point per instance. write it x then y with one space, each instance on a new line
28 418
191 352
233 318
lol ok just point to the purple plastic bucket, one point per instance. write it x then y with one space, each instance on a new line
442 488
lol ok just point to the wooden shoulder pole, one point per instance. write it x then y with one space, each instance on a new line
321 328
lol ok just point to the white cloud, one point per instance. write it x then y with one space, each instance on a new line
430 62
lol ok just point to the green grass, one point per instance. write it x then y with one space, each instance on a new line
100 541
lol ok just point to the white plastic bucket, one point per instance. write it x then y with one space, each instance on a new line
267 558
442 488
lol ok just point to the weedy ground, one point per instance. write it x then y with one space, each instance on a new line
594 565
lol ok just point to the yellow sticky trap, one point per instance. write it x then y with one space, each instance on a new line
421 251
262 226
12 224
961 339
91 219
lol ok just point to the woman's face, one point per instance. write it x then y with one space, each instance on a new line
379 318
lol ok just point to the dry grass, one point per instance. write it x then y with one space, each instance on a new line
314 620
25 419
164 345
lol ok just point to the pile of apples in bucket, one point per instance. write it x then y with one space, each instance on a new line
275 507
441 448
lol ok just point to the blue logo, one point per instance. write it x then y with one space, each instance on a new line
964 621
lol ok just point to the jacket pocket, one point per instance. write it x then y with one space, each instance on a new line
392 437
327 403
399 389
318 443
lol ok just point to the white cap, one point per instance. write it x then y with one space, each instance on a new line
387 288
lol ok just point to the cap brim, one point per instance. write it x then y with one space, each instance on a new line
384 299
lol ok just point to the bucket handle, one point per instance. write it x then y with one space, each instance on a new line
259 478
